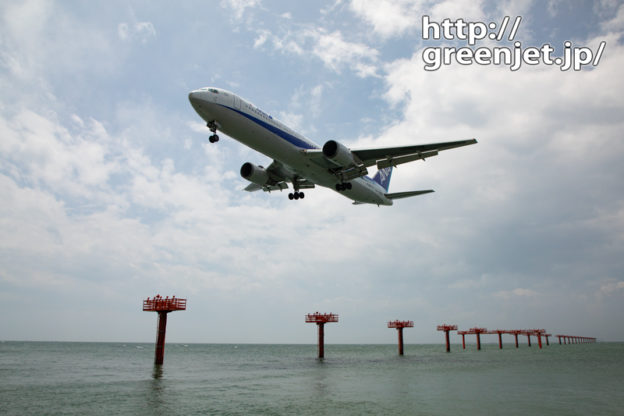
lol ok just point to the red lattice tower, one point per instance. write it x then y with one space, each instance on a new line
163 306
320 319
399 325
446 328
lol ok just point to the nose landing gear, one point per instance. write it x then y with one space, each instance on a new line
212 125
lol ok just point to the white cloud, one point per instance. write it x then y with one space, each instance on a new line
611 287
261 39
39 41
403 17
49 155
335 52
331 48
616 24
141 31
517 292
389 18
240 6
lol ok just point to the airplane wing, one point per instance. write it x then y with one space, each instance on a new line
383 157
392 156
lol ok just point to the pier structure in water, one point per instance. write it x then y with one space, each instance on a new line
447 328
163 306
473 331
574 339
399 325
538 333
320 319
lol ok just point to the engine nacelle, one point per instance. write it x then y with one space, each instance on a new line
255 174
338 153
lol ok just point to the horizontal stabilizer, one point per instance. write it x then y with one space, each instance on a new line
399 195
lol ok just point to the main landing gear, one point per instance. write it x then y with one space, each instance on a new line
212 125
343 186
296 195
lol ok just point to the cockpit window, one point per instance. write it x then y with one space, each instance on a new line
213 90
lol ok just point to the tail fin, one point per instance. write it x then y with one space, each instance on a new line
382 177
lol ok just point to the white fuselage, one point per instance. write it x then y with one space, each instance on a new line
251 126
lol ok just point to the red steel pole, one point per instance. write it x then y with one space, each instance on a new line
159 354
478 341
400 331
539 340
448 344
463 341
321 339
516 335
500 341
529 339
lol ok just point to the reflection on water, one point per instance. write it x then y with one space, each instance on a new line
156 397
158 371
320 377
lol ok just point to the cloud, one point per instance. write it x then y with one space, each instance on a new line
48 154
140 31
40 41
611 288
332 49
240 6
615 24
517 292
391 19
335 52
396 18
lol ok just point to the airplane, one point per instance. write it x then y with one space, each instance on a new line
302 162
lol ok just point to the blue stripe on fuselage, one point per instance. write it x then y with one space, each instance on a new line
281 133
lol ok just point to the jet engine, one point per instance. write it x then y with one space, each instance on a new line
339 153
255 174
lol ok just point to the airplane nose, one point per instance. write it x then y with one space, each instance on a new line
197 99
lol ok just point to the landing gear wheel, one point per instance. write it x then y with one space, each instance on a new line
343 186
296 195
212 125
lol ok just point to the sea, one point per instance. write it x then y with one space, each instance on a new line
70 378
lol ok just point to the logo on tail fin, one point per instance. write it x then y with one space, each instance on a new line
382 177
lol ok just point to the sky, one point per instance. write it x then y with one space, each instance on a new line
112 193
